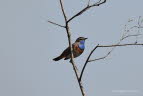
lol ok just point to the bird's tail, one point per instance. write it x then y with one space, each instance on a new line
58 58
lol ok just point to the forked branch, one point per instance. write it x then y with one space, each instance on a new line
86 8
71 49
56 24
124 36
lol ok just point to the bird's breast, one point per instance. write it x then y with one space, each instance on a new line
77 51
81 46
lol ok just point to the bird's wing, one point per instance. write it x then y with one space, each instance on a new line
76 51
66 52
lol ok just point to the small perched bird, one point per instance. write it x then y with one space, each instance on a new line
78 48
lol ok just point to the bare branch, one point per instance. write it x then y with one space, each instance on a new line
124 36
131 36
102 46
63 11
101 57
86 8
56 24
117 45
136 27
88 3
71 49
139 26
87 61
130 44
98 3
114 46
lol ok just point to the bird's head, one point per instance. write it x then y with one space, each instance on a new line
81 39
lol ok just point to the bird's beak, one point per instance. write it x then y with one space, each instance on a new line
85 38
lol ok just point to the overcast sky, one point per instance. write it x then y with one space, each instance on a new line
28 43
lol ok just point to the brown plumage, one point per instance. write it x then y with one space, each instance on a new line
78 48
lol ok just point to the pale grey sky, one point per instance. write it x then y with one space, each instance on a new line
28 44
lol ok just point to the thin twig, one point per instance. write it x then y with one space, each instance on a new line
124 36
130 44
113 47
56 24
131 36
88 3
98 3
85 9
101 57
63 11
116 45
87 61
102 46
139 25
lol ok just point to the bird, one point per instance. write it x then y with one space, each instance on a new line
78 48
